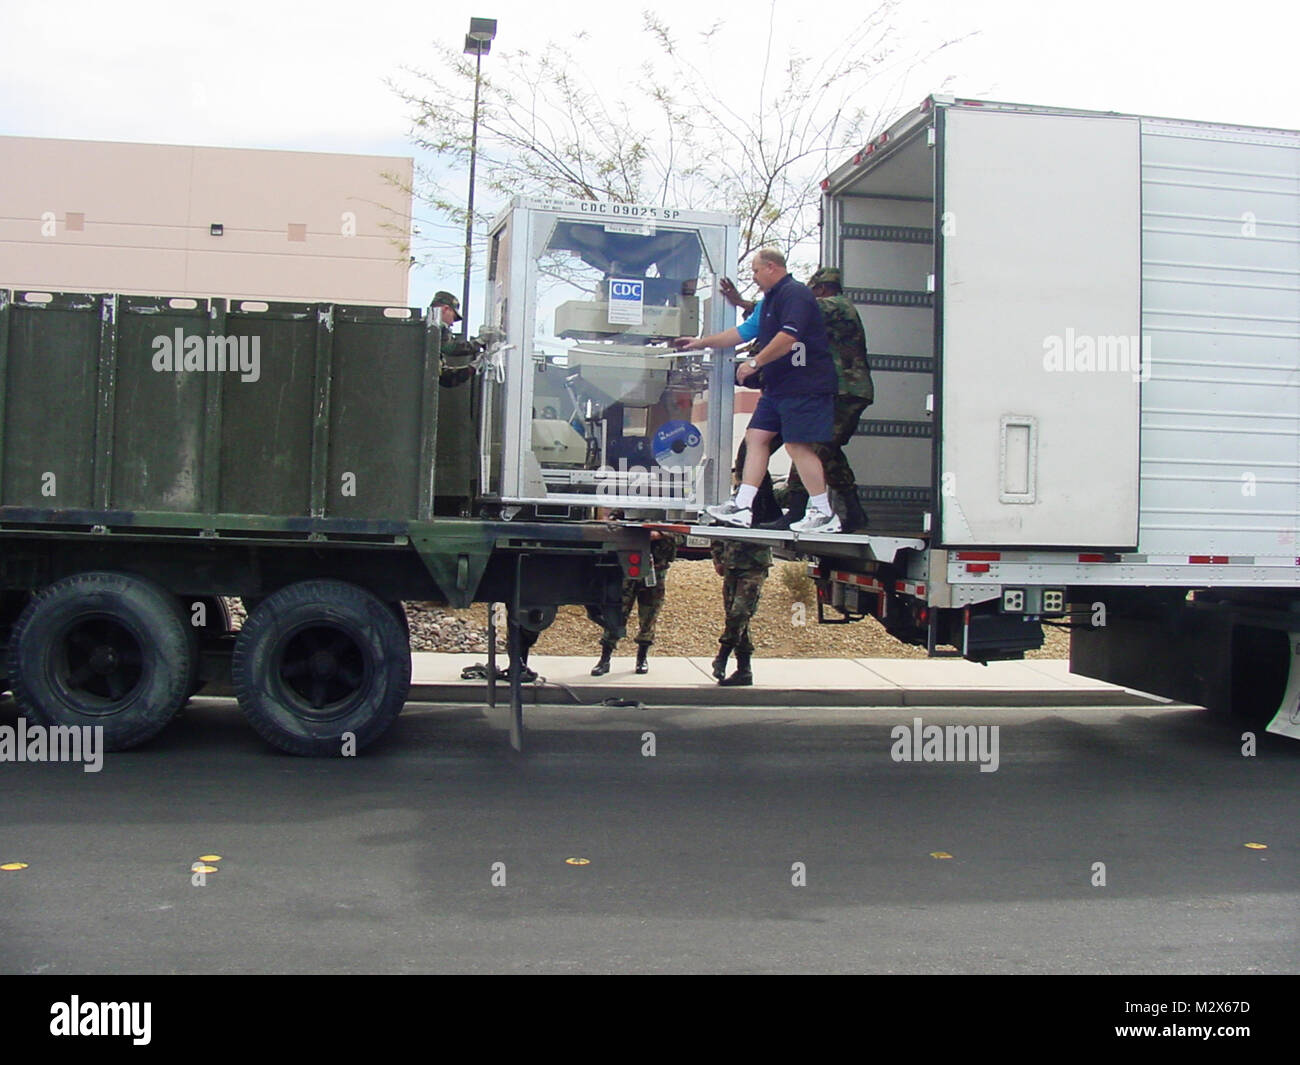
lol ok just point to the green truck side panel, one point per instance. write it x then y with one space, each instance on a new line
266 430
377 399
51 371
157 453
337 417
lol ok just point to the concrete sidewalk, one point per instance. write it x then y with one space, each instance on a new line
780 682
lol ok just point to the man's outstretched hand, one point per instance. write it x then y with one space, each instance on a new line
732 295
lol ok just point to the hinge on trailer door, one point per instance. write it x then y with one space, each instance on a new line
930 137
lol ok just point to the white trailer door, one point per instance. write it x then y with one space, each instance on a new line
1040 329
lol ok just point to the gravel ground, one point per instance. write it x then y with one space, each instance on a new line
689 623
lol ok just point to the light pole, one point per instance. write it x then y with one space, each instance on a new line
478 42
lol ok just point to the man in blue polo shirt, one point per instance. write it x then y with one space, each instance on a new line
798 401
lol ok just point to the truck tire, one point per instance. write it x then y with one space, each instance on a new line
12 604
1261 661
320 661
399 610
102 649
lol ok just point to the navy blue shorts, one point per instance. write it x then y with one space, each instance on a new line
808 418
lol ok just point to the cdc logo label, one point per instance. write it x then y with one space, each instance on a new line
625 300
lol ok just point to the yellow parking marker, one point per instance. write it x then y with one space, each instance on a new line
940 854
12 867
209 857
199 867
1257 846
577 861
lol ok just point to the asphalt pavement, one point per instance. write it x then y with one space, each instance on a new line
1131 839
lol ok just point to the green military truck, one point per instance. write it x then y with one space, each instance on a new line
157 454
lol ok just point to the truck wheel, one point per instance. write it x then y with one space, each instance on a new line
319 661
102 649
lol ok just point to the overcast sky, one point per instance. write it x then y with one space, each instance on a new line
311 75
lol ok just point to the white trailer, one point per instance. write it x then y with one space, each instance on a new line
1085 336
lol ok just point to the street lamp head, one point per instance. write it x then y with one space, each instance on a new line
481 33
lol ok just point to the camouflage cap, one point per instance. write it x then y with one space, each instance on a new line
827 275
446 299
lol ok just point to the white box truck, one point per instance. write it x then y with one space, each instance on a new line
1085 336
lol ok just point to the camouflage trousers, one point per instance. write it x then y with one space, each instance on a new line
648 601
740 592
839 474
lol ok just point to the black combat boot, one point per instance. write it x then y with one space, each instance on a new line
602 667
720 663
526 675
798 506
642 653
845 503
742 676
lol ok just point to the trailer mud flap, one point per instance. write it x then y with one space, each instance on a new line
1286 722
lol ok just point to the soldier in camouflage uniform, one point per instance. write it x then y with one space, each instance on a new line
848 342
449 307
649 600
743 568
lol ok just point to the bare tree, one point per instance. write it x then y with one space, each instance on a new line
672 136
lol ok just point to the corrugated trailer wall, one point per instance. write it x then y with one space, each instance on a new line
321 411
1220 452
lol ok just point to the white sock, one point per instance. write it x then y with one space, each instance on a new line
745 495
821 502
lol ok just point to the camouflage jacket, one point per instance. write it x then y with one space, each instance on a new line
663 551
454 346
739 555
848 342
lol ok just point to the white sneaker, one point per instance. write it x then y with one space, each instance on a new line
730 514
817 521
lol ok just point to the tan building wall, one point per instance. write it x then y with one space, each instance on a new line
114 217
